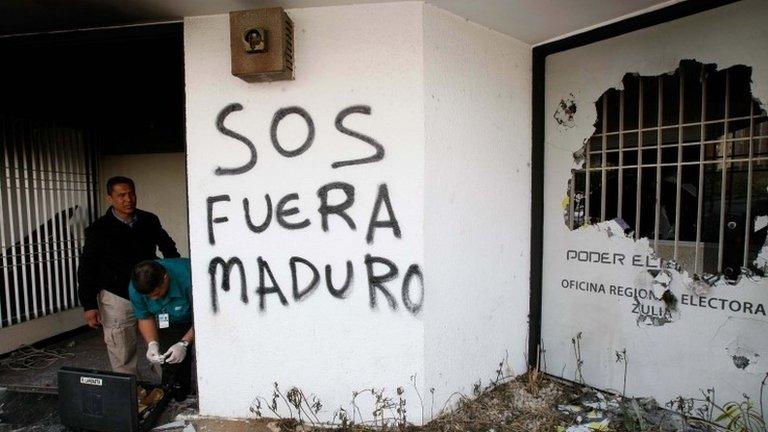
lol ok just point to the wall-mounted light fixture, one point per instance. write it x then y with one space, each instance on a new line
261 42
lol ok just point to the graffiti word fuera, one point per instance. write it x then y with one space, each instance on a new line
378 281
612 258
282 113
284 209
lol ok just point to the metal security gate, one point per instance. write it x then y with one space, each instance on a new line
47 198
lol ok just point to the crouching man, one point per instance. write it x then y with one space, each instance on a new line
161 295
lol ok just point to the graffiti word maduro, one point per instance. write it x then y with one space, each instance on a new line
612 258
267 285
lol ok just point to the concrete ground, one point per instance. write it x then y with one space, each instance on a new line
29 400
84 350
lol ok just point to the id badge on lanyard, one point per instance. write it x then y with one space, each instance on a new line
163 321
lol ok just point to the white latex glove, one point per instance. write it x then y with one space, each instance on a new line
153 353
176 353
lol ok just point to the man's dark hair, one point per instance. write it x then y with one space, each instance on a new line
119 180
147 275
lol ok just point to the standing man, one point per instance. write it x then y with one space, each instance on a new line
114 244
161 294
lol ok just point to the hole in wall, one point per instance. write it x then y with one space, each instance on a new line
682 160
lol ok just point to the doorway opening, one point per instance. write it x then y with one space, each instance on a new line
77 108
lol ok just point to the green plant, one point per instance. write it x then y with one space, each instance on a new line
628 419
418 394
432 405
621 357
576 342
388 413
401 410
762 386
733 416
295 399
741 417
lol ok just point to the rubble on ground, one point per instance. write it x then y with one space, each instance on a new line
529 403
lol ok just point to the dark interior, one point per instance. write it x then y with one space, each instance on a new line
123 85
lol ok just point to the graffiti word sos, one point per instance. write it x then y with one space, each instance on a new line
301 112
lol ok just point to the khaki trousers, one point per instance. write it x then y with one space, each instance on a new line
120 332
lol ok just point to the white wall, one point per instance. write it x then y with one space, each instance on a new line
345 56
477 201
160 187
690 353
456 143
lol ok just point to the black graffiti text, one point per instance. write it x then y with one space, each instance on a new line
282 148
287 215
381 274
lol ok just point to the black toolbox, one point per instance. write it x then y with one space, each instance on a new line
105 401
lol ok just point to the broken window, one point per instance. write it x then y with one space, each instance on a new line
680 159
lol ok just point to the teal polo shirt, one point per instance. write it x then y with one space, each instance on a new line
177 302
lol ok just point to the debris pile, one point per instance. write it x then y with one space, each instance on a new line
597 411
528 403
534 403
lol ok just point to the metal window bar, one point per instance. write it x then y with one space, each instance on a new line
33 255
64 224
56 281
713 141
35 243
586 220
748 220
82 199
25 149
41 229
639 187
675 126
620 188
657 203
20 220
5 318
679 174
57 231
48 211
700 190
603 174
70 228
719 161
77 184
89 161
572 199
724 177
